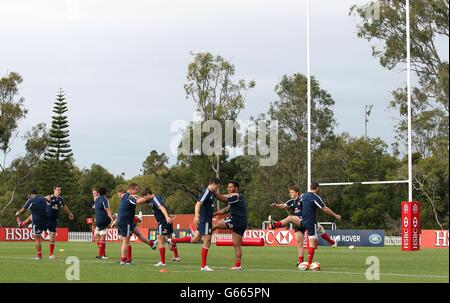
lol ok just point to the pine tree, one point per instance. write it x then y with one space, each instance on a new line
58 160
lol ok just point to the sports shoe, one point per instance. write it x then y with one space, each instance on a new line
103 258
335 244
155 245
123 263
130 262
236 268
177 259
192 228
159 264
207 268
37 258
52 257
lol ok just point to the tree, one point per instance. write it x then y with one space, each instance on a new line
154 162
58 157
216 96
271 184
12 111
23 167
430 99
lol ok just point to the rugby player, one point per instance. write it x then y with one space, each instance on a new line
38 207
55 203
202 227
126 224
237 221
103 217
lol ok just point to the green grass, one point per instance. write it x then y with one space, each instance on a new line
261 264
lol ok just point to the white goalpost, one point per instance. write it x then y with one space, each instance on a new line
409 181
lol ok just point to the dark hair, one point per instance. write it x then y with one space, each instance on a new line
214 181
146 191
295 188
102 191
132 185
235 183
56 186
121 191
314 186
33 192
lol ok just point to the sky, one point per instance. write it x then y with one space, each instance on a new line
123 64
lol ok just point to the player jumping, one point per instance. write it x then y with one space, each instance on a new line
126 224
204 210
237 221
38 207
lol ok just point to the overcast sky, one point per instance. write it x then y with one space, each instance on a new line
123 64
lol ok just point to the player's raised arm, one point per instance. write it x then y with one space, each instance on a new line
279 205
328 211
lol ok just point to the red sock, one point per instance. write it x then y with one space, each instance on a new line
237 263
151 243
175 252
101 248
129 257
39 254
311 251
186 239
52 248
204 256
277 224
326 237
301 259
123 259
162 254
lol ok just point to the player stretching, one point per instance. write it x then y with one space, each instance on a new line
38 207
55 203
237 221
311 202
165 227
296 219
103 217
204 210
126 224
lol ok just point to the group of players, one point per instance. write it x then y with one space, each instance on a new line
45 210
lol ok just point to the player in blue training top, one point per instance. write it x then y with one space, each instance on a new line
103 218
295 205
126 223
202 228
165 227
311 203
55 203
38 207
237 221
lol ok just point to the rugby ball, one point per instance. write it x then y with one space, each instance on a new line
303 266
351 247
315 266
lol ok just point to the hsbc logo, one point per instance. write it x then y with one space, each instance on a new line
415 222
406 222
284 237
415 208
406 208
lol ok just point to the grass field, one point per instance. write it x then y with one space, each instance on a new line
260 264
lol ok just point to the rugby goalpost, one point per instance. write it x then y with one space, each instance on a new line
409 181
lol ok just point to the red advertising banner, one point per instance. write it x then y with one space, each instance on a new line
435 238
112 235
410 226
279 237
26 234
